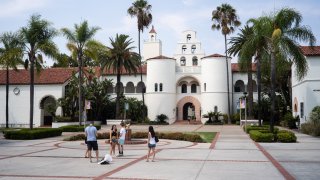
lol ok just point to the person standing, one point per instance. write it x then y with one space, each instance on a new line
91 135
122 138
151 143
113 140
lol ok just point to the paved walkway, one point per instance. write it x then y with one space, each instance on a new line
232 155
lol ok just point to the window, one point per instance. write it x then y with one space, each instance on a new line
195 61
156 87
193 48
141 87
120 86
182 61
184 88
193 88
129 87
301 110
160 87
239 86
215 108
184 48
188 37
205 87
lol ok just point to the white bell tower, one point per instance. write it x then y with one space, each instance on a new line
152 47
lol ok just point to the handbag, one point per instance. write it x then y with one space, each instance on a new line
156 138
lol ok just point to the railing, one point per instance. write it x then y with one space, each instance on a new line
188 69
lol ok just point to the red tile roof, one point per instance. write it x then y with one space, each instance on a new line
235 67
46 76
161 57
309 51
152 30
214 55
124 72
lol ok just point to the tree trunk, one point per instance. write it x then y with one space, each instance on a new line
7 98
259 87
250 92
143 88
228 91
80 87
32 59
118 92
272 91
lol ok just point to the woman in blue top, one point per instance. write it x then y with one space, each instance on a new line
151 143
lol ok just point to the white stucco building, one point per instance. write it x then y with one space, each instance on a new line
188 78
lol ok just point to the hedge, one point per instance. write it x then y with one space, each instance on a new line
286 136
36 133
75 128
258 136
265 127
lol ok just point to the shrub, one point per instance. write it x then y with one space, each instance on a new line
312 126
76 128
264 127
64 119
289 121
36 133
235 118
161 118
213 123
286 136
258 136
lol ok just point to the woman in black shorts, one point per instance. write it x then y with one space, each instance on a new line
113 140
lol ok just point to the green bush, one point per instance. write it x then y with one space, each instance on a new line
36 133
235 118
312 126
264 127
65 119
174 136
161 118
289 121
258 136
286 136
76 128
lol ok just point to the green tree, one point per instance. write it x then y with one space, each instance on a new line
38 40
64 60
80 39
11 55
226 19
284 44
142 10
121 58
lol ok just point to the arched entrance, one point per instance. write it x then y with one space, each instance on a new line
48 107
184 104
188 111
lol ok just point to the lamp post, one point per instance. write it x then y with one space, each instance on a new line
245 110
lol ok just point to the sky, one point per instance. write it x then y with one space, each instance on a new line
170 18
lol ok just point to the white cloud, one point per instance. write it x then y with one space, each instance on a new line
15 7
176 22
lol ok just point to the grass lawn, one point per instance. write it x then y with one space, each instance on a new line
206 136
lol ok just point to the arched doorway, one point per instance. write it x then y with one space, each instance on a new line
48 106
182 108
188 110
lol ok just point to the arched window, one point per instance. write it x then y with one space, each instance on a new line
205 87
184 48
184 88
188 37
195 61
182 61
215 108
239 86
120 85
141 87
156 87
130 87
160 87
193 88
193 48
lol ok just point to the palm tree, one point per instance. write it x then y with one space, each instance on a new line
79 41
37 37
11 55
238 45
226 19
121 58
283 44
142 10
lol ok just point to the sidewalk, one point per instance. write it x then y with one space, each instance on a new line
233 155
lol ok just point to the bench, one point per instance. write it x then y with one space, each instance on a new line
250 122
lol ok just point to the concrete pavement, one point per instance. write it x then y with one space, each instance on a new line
232 155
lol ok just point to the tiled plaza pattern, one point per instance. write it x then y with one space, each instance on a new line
232 155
